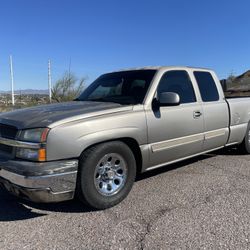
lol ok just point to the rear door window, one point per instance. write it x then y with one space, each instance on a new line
207 86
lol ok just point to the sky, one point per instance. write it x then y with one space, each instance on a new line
96 37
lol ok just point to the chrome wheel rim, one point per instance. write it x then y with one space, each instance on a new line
249 137
110 174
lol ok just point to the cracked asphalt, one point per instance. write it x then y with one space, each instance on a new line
203 203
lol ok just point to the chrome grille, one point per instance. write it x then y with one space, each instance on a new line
9 132
6 149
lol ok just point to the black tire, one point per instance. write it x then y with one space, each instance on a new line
87 191
245 145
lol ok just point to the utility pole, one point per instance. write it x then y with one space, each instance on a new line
20 97
69 75
12 81
49 80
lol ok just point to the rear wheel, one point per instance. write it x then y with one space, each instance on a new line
245 145
106 174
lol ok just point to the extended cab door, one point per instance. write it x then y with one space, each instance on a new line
175 132
215 110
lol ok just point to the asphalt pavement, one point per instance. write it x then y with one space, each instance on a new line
203 203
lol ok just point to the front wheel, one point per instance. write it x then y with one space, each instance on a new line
106 174
245 145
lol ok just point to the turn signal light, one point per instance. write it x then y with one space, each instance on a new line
42 154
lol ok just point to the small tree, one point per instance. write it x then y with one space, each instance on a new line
231 77
230 80
67 88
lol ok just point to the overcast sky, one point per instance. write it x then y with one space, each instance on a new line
101 36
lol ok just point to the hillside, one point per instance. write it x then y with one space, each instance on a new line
241 82
238 86
27 92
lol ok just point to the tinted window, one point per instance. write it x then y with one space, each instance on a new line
207 86
125 87
177 82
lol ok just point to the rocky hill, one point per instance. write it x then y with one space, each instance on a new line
28 92
241 82
238 86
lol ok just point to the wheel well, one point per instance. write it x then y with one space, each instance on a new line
133 145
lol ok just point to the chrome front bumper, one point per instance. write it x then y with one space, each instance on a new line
40 182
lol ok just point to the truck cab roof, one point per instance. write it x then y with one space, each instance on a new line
163 68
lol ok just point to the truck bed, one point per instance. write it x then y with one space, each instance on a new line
239 108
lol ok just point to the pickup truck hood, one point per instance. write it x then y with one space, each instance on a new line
45 115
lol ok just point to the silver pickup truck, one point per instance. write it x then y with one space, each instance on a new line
124 123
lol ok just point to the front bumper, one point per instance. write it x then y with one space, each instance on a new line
40 182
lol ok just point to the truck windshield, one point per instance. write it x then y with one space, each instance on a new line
125 87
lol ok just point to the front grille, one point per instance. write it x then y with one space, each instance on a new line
7 131
6 149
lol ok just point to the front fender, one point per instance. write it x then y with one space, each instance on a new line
70 140
107 135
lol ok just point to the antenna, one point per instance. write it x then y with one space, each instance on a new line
12 81
49 80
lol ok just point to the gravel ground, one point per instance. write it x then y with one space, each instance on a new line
203 203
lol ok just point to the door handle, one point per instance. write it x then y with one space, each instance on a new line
197 114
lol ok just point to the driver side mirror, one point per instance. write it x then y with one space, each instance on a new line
168 99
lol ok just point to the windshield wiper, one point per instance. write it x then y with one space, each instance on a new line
98 100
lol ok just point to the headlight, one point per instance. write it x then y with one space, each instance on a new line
34 135
31 154
38 135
